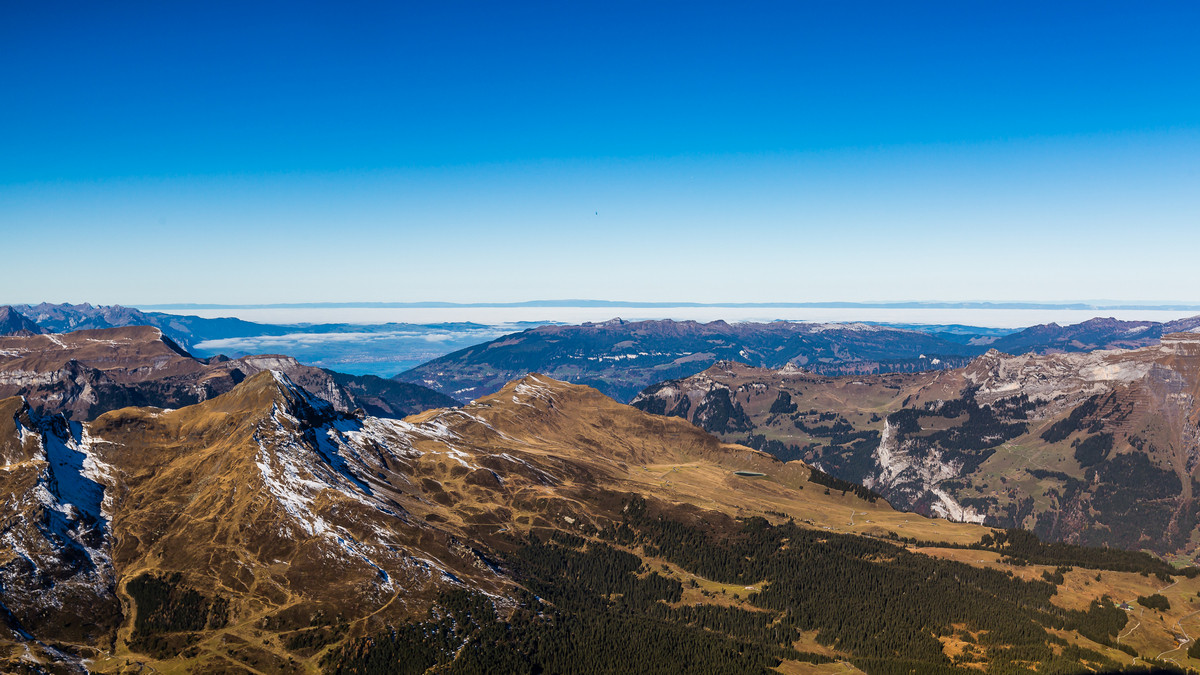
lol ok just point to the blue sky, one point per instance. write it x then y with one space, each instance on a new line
294 152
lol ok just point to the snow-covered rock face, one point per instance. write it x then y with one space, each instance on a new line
324 473
56 571
305 461
890 465
307 473
298 462
69 482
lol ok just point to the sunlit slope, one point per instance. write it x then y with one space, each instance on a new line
264 531
266 508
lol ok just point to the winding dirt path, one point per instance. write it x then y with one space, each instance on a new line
1179 625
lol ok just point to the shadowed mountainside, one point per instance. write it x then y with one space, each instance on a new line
620 358
13 322
1090 335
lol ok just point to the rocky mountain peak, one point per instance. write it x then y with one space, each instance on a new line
13 322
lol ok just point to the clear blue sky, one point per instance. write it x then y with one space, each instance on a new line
292 152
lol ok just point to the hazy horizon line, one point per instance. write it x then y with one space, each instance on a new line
1096 305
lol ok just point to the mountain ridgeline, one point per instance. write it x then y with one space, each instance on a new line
89 372
620 358
183 330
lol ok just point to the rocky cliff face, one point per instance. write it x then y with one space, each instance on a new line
1098 448
57 581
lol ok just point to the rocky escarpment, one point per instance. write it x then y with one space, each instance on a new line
1100 448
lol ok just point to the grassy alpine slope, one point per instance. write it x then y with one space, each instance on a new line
546 526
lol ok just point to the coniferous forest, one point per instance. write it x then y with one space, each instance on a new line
595 604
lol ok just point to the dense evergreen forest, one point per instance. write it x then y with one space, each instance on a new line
592 604
169 615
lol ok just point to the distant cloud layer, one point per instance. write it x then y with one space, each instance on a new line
383 353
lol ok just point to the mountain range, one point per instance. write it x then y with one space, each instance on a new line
366 349
1097 448
88 372
163 513
545 528
185 331
465 360
620 357
1090 335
